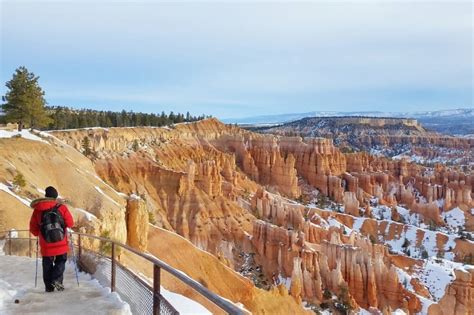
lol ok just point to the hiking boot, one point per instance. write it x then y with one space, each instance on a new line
58 286
49 289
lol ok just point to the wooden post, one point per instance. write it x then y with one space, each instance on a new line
112 278
156 289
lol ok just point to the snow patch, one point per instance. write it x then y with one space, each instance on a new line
6 189
333 222
134 197
89 216
436 275
454 218
107 196
405 279
25 134
285 281
358 222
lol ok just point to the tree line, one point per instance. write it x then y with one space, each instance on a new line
68 118
24 103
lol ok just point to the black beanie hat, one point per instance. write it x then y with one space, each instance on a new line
51 192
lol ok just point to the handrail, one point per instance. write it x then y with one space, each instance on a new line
224 304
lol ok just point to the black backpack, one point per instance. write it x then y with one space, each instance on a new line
52 225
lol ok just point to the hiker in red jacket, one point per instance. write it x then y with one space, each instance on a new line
49 221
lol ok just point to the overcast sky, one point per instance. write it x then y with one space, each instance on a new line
231 59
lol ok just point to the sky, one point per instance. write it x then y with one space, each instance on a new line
237 59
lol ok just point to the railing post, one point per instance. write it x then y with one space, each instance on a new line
10 242
112 278
79 248
156 289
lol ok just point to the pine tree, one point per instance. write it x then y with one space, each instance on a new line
24 100
86 146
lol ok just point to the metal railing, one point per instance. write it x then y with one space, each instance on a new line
106 260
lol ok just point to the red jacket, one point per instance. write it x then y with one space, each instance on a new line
40 205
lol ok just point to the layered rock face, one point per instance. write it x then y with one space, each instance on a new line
225 190
262 160
197 203
390 136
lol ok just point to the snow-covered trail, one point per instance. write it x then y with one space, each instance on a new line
17 281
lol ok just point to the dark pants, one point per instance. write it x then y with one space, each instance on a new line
53 270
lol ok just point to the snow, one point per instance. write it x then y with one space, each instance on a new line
6 189
107 185
454 219
436 275
107 196
13 233
405 279
89 216
17 278
382 213
425 304
358 222
333 222
134 197
25 134
285 281
366 312
428 242
183 304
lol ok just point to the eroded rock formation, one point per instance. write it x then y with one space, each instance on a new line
137 223
225 190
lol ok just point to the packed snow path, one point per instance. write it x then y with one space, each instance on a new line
17 282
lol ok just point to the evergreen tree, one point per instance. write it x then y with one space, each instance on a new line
86 146
24 100
68 118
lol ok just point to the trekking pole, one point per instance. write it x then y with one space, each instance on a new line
36 273
74 258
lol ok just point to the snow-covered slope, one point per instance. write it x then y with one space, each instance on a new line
17 282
